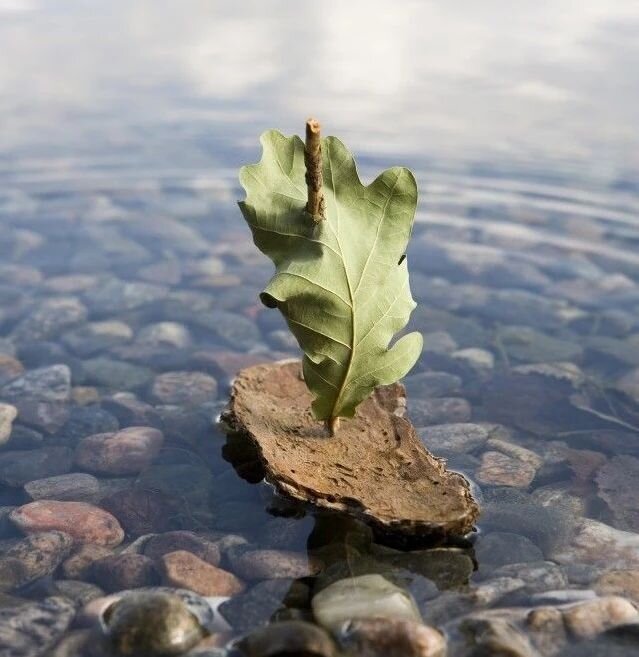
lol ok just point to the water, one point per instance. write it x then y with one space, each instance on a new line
122 129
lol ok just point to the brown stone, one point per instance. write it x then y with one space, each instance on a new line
124 571
619 582
184 570
124 452
588 619
78 565
375 467
83 522
392 637
159 545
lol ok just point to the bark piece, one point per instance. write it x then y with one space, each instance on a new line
375 467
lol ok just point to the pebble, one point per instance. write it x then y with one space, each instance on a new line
94 337
117 572
125 452
84 522
184 388
506 464
130 411
79 592
47 384
596 543
78 565
432 384
8 414
271 564
456 437
184 570
33 557
10 368
502 548
49 319
260 603
75 486
623 583
391 637
116 374
365 596
159 545
19 467
442 410
617 484
152 623
141 510
32 629
481 360
292 637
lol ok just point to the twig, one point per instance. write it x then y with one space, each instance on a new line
313 162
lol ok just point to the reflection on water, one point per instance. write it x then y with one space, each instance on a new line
128 298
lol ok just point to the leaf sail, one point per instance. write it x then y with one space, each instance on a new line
341 284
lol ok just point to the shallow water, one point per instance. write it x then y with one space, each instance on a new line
122 131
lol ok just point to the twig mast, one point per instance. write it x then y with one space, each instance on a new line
313 162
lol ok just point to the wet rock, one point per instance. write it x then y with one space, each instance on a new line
128 451
78 592
588 619
87 421
84 522
33 557
481 361
159 545
152 623
47 384
142 510
287 533
617 483
559 495
432 384
184 570
165 334
365 596
271 564
457 437
8 414
75 486
260 603
78 565
184 388
116 374
525 344
624 583
25 438
501 548
236 331
123 571
114 296
497 636
507 465
50 318
130 411
10 368
20 467
270 401
391 637
537 575
596 543
443 410
33 628
288 638
97 336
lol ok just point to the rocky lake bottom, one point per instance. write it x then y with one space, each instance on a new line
130 523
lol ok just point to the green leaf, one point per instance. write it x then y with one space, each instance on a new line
341 283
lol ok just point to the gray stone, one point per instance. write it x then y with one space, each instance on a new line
116 374
362 597
617 484
86 421
432 384
184 388
75 486
78 592
31 629
46 384
501 548
49 319
166 335
33 557
97 336
124 571
443 410
456 437
20 467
